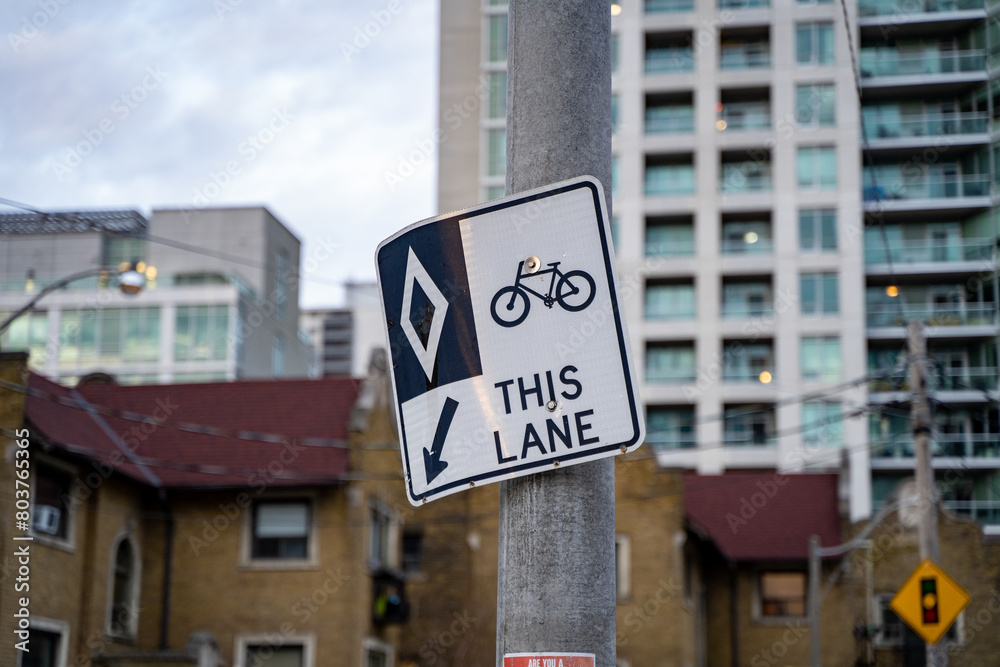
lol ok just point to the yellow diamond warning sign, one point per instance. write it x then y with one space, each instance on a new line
929 601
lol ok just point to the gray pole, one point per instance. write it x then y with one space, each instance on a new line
814 577
556 578
920 418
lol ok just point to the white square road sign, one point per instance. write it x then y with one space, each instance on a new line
509 354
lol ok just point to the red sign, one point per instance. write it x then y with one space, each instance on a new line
548 660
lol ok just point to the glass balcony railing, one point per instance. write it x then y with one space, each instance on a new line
937 316
747 439
986 512
669 60
945 379
966 445
680 182
670 375
737 181
911 252
743 4
761 246
894 186
890 62
671 440
676 123
910 7
669 248
663 6
744 57
745 309
742 374
927 125
738 117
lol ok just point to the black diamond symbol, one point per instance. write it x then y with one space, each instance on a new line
421 314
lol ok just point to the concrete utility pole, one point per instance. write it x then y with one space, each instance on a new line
920 418
556 579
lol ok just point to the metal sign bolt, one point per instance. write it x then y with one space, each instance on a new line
532 264
551 406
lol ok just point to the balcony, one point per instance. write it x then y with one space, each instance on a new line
665 6
920 252
736 181
669 180
930 125
946 379
669 60
747 309
977 314
891 62
953 445
745 116
668 439
751 437
753 55
986 512
867 8
669 120
931 186
744 4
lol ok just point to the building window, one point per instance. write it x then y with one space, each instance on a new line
281 277
494 192
123 614
748 426
819 293
413 550
268 655
200 333
278 356
376 653
815 104
123 249
623 578
814 43
782 594
747 361
49 646
50 515
670 301
110 335
497 38
820 358
670 427
615 175
28 332
280 530
380 538
614 53
816 167
614 114
496 152
822 424
497 107
670 362
817 229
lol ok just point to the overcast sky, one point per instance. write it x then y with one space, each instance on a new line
286 103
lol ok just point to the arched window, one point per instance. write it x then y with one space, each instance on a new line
124 579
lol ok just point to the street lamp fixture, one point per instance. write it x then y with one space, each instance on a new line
130 281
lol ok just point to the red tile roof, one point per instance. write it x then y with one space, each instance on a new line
763 516
309 412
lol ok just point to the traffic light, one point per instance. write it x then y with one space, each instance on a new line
929 600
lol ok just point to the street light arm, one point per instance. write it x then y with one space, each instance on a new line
51 288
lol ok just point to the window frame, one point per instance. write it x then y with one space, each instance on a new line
815 119
67 542
392 537
54 626
821 304
816 56
243 642
758 596
371 645
824 343
310 561
817 434
131 631
816 181
816 218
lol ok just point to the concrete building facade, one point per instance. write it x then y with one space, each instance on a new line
220 302
759 225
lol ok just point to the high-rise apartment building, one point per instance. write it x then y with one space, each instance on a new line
220 302
770 244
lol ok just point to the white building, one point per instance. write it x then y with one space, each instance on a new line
750 226
221 301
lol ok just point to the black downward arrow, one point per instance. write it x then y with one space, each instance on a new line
433 465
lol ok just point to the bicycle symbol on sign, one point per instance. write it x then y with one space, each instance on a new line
574 291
